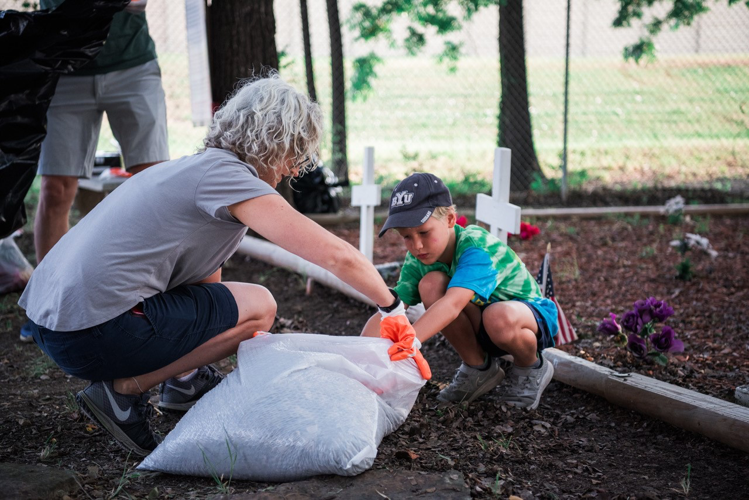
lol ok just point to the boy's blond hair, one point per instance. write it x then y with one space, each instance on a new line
441 213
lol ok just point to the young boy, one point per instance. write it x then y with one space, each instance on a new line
476 291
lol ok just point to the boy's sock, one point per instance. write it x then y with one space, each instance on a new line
483 366
534 366
188 377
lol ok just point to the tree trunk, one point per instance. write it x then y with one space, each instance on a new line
340 159
515 130
241 43
307 51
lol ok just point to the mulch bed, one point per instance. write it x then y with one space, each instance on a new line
575 445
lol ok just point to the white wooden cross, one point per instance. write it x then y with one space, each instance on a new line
496 210
366 196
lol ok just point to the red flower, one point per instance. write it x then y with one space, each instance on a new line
462 221
527 231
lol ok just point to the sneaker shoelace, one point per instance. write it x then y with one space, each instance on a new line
459 378
144 410
518 383
209 375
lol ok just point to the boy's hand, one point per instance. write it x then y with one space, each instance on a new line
397 328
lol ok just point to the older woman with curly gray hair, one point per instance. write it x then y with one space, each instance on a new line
132 298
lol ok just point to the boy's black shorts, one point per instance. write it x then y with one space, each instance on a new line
544 338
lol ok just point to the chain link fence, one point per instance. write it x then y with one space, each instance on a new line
683 118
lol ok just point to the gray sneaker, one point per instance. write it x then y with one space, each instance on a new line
471 383
180 396
124 416
524 386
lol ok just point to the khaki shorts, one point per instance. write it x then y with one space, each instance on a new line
134 102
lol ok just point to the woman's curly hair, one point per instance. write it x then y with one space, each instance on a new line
267 121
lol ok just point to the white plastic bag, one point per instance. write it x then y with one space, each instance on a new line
297 405
15 270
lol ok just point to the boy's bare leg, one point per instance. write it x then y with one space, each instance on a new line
461 333
512 327
257 311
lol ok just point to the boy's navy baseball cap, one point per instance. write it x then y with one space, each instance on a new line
414 199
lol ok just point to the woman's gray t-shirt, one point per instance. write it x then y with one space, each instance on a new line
167 226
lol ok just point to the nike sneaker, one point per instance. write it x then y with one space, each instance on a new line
180 396
124 416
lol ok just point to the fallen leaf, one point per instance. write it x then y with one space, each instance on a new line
406 455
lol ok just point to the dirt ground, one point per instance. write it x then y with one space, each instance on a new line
574 446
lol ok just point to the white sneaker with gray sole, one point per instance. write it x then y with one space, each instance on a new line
471 383
524 385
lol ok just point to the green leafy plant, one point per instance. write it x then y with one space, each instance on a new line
497 486
702 224
503 442
469 183
690 241
50 448
543 186
123 481
364 74
450 56
70 402
224 486
686 483
482 443
684 270
40 366
647 252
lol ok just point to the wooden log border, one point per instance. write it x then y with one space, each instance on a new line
712 417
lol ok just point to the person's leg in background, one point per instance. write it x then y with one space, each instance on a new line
136 108
68 150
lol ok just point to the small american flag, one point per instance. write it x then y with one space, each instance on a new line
566 332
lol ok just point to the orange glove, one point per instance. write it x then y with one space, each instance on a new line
405 344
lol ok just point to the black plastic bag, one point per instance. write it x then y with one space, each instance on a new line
317 192
35 48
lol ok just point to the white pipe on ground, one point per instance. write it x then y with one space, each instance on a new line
277 256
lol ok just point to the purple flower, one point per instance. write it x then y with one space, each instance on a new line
644 309
609 326
666 341
661 310
632 322
653 310
637 345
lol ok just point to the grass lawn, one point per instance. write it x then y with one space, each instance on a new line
678 119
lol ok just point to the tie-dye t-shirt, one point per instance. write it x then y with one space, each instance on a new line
485 265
